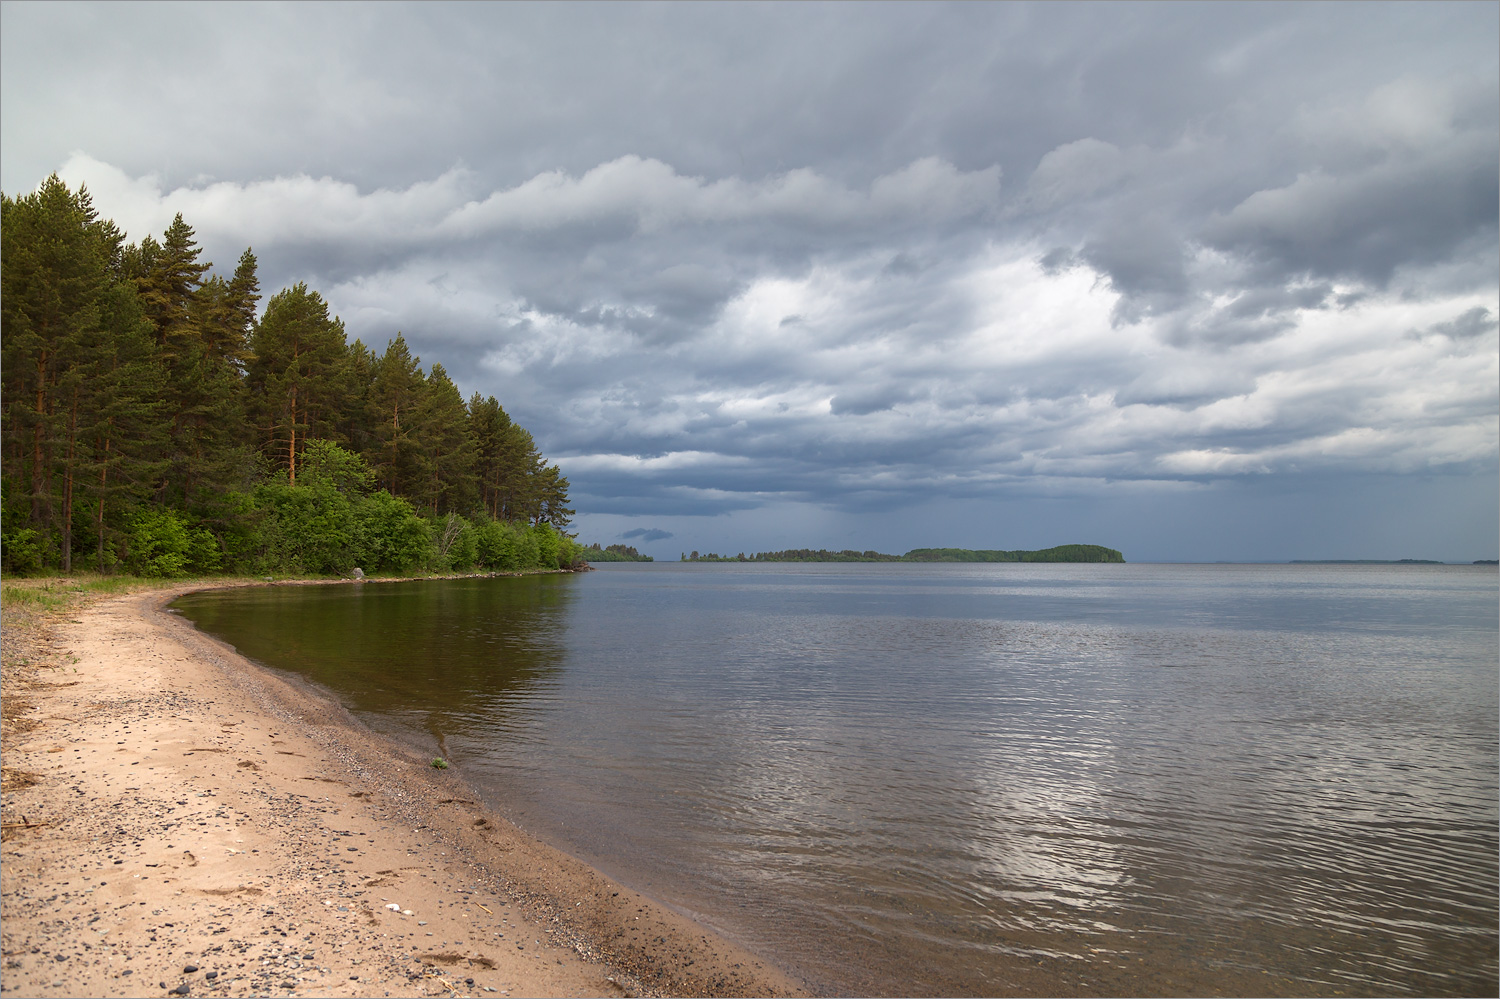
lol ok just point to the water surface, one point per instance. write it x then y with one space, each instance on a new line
974 779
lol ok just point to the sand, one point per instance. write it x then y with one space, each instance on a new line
181 821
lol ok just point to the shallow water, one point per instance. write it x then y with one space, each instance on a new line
974 779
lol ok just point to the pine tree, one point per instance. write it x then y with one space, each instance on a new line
224 313
296 375
520 468
394 399
203 389
125 432
170 278
487 426
446 451
68 317
552 488
507 464
353 423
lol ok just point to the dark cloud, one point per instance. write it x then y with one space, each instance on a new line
647 535
1366 225
1476 322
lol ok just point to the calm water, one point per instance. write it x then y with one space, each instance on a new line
979 779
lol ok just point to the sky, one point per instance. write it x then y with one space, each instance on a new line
1197 282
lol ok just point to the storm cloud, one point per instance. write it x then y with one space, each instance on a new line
768 276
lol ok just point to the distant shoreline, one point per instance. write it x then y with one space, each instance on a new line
1060 553
1385 561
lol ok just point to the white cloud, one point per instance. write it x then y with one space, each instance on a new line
645 193
652 195
283 209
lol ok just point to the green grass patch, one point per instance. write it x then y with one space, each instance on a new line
31 596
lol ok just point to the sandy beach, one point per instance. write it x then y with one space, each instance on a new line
181 821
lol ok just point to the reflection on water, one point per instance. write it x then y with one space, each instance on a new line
437 658
977 779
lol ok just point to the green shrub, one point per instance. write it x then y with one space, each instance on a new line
160 545
305 528
204 555
389 534
548 546
237 526
572 554
21 552
527 556
456 544
496 547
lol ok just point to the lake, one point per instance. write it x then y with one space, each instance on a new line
973 779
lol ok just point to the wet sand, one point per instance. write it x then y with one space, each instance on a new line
181 821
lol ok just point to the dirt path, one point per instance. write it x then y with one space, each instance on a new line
179 821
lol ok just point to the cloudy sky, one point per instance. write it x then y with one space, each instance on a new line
1195 282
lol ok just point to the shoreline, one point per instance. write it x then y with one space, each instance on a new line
181 807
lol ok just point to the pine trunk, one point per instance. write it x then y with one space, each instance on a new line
99 510
291 450
39 505
67 497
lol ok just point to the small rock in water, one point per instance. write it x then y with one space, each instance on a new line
189 969
180 990
211 975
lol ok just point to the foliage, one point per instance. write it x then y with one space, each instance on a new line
21 552
304 529
457 544
614 553
389 536
163 544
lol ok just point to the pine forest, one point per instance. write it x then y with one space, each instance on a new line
152 424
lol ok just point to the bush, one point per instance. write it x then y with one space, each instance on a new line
203 554
160 545
548 546
21 551
306 529
496 548
457 544
389 534
572 554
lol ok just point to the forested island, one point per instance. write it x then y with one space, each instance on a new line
1061 553
153 424
614 553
